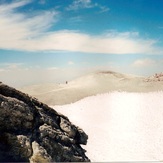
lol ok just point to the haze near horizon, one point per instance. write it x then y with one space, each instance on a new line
48 41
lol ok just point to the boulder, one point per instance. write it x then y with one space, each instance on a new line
31 131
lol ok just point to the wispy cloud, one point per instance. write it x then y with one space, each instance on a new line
144 63
17 28
76 19
146 66
10 7
120 43
86 4
80 4
29 32
11 66
103 8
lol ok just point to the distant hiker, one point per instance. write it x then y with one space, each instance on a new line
156 75
66 82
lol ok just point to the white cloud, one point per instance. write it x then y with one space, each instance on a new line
17 28
144 63
111 44
30 33
79 4
101 7
86 4
146 66
12 6
11 66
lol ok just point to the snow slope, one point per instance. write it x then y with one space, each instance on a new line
121 126
89 85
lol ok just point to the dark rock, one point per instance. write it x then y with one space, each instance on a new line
66 127
31 131
81 136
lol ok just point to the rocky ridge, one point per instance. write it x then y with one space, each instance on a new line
31 131
157 77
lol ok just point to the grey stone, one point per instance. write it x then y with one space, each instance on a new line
31 131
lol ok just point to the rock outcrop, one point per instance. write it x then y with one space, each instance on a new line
157 77
31 131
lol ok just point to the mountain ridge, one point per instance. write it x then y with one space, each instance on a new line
92 84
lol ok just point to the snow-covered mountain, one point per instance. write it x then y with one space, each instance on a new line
91 84
122 115
121 126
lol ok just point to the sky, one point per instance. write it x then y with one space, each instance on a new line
47 41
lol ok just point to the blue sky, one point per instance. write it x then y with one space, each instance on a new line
53 41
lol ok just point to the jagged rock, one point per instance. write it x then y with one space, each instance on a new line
69 129
30 131
81 136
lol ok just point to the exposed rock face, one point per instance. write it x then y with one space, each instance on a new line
32 131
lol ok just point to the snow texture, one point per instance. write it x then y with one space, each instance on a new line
121 126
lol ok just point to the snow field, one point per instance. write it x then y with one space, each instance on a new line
121 126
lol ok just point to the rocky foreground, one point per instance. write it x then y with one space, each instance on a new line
30 131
